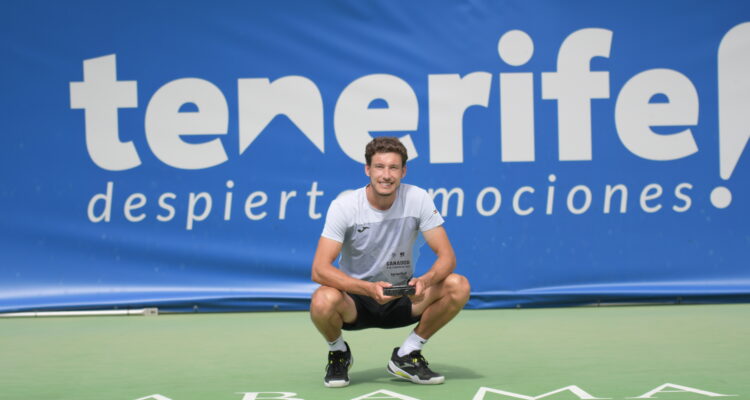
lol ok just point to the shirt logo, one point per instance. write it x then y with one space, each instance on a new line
362 229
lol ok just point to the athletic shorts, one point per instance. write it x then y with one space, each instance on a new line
370 314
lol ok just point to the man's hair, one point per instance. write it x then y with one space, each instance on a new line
385 144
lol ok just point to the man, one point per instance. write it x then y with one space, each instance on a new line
374 229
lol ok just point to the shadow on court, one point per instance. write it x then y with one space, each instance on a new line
380 375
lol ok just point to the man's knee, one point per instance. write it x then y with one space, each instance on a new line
325 300
457 287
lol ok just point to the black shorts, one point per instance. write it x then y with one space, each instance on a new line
370 314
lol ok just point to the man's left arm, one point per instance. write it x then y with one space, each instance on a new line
437 239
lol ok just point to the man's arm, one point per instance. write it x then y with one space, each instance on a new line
437 239
324 273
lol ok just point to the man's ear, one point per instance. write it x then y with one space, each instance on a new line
403 172
367 170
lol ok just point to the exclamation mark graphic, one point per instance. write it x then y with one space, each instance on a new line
734 105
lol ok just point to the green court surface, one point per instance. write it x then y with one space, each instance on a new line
618 353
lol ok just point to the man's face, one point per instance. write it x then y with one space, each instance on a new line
385 172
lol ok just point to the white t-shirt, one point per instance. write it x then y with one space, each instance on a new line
379 245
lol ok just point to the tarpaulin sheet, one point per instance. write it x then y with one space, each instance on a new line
183 154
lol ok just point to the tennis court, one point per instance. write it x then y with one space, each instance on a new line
587 160
606 352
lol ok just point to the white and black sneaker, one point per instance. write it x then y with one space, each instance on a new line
413 367
337 369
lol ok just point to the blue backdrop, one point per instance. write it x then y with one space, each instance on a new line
182 154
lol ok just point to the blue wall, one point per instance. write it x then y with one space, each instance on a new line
183 154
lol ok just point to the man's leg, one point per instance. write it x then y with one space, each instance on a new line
437 307
329 309
440 304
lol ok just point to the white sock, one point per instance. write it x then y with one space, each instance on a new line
412 342
337 345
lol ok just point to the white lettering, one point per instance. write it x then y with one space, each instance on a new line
586 202
154 397
285 196
192 202
609 191
516 98
165 124
517 117
313 194
582 394
107 199
276 395
384 394
650 192
228 202
678 192
515 47
734 102
134 202
517 199
551 194
449 98
496 204
574 85
446 199
296 97
635 114
251 202
353 118
679 389
101 95
166 206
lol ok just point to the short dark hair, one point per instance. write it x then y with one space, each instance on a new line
385 144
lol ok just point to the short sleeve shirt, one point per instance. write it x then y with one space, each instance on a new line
378 245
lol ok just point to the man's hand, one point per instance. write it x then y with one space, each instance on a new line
420 284
376 292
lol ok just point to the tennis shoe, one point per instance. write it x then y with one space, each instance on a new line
413 367
337 369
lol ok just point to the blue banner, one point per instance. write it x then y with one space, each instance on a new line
183 154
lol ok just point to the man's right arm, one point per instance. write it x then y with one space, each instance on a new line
324 273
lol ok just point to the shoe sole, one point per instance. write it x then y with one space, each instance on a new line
337 384
398 372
